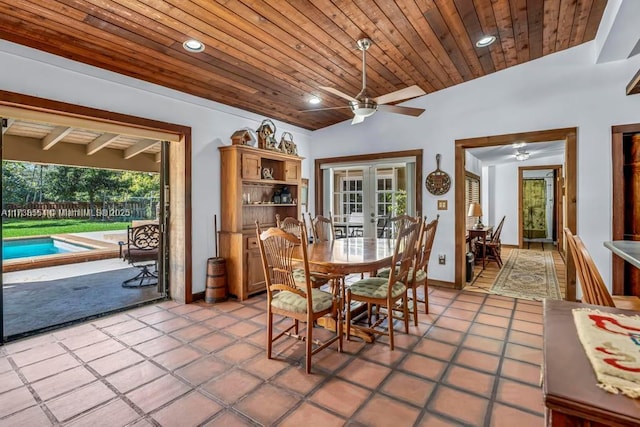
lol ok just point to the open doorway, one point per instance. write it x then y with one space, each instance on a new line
625 150
568 138
540 205
114 138
66 243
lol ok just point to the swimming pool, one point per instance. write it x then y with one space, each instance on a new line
30 247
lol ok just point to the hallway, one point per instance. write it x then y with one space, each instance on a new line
484 279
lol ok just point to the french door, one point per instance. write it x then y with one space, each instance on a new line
362 197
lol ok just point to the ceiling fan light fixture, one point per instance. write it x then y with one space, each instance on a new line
485 41
193 45
364 109
521 155
314 100
518 144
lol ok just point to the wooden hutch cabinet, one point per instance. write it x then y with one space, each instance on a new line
247 196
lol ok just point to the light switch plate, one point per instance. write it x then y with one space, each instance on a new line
442 205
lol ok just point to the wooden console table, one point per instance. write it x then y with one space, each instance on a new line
571 394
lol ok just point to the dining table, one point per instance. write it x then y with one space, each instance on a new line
348 256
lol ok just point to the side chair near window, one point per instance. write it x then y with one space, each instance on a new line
395 224
492 249
141 250
418 273
594 291
286 297
293 226
387 292
324 230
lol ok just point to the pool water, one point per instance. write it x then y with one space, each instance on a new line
26 248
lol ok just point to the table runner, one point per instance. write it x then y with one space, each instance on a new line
612 344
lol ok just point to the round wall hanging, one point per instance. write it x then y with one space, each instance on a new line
438 182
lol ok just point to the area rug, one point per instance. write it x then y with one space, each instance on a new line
611 342
529 275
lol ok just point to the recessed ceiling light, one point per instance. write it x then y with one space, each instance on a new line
518 144
485 41
193 45
314 100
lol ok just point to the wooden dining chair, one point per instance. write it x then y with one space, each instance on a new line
594 290
286 297
322 228
386 292
293 226
324 231
418 273
492 248
397 223
289 224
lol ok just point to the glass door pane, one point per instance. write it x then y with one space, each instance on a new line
366 196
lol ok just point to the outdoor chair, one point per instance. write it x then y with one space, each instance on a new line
141 251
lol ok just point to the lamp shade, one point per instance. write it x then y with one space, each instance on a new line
475 209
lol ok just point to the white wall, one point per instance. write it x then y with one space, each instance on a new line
566 89
35 73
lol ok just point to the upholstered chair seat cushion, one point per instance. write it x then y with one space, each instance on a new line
289 301
317 279
420 275
376 287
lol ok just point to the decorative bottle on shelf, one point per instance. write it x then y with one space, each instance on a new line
285 195
276 197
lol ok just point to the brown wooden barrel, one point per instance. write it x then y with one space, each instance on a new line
216 290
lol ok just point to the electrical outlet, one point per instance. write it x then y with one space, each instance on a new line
442 259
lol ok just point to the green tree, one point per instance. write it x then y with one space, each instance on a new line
16 182
83 184
141 184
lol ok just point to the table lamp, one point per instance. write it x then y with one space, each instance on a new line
476 210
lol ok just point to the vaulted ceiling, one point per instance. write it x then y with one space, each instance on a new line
271 56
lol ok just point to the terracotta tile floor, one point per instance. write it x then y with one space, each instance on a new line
475 360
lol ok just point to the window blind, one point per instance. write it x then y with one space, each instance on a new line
472 195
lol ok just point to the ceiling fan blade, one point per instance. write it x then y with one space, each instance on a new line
322 109
357 119
407 111
338 93
407 92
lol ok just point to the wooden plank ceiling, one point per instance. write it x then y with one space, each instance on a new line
271 56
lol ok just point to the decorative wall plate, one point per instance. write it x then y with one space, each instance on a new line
438 182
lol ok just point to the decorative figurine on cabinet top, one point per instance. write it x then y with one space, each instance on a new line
244 137
267 173
286 144
266 135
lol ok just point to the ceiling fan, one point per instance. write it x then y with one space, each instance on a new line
363 105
